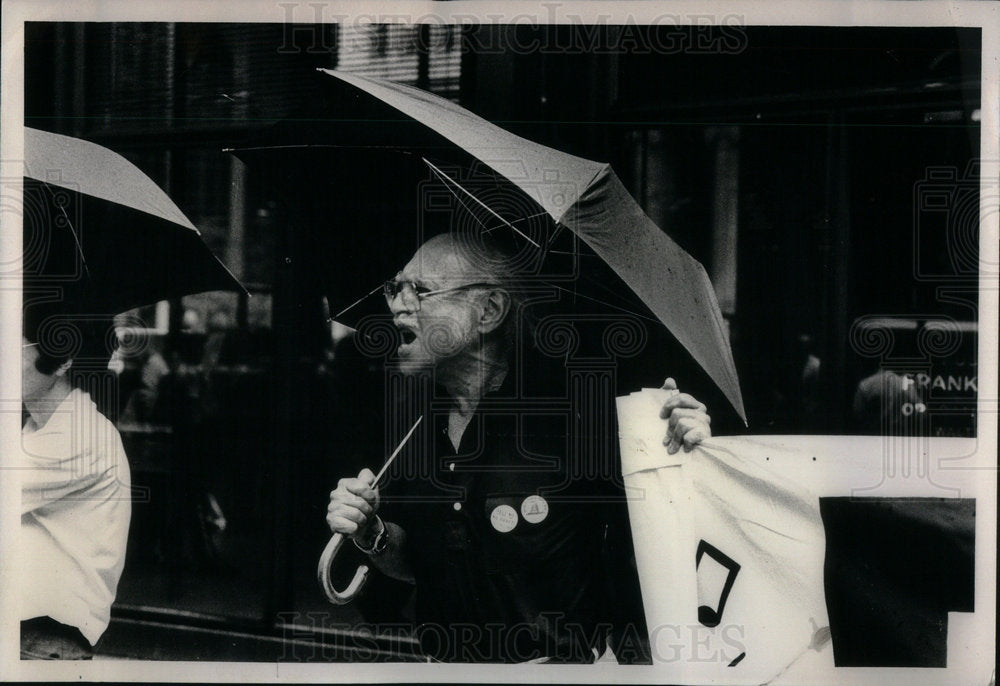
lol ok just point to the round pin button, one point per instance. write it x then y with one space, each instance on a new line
457 506
503 518
534 509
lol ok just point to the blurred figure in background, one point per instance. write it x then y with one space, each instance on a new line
142 400
886 404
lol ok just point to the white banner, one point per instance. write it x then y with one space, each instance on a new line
732 552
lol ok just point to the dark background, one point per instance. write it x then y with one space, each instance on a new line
826 177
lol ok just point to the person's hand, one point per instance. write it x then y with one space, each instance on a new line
353 505
688 423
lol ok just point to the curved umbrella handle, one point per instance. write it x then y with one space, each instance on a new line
330 552
323 574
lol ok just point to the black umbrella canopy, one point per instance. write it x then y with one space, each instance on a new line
374 137
100 232
359 179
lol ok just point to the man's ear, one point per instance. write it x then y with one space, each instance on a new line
495 310
63 368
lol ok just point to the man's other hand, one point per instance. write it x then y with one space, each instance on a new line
688 423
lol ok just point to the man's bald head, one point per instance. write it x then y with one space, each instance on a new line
466 259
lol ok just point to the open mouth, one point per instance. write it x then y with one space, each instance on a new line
406 334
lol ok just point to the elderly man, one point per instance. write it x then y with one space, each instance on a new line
515 536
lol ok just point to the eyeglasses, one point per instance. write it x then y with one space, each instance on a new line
413 294
28 345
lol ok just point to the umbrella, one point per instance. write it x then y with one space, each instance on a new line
103 235
570 192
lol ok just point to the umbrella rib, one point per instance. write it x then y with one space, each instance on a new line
297 146
447 179
457 197
555 234
602 287
547 250
72 231
496 184
356 302
605 304
561 288
449 182
521 219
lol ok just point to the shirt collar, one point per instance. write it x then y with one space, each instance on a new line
62 417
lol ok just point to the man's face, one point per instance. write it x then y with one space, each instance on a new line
437 329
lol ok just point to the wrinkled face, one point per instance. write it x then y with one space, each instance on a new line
439 328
